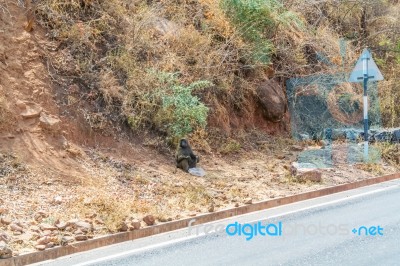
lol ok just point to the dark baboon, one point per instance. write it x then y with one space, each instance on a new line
185 158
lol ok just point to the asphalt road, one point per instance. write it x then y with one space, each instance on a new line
314 232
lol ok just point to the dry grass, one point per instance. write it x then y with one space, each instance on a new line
118 47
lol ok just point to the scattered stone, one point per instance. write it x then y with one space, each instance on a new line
72 222
123 227
248 201
47 233
16 228
61 225
57 200
237 204
211 208
44 240
49 121
66 240
303 172
40 247
20 104
81 237
281 156
149 220
4 237
136 224
50 245
91 215
99 221
49 227
34 228
162 219
193 214
84 226
32 110
5 220
40 215
3 211
5 251
296 148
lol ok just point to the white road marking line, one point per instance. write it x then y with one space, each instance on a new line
202 234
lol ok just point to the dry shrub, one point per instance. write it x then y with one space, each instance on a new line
194 196
112 210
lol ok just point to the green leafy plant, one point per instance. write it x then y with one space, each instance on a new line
180 112
257 21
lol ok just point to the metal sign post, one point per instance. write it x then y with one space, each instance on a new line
365 70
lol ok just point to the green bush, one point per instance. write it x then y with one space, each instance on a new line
257 20
180 112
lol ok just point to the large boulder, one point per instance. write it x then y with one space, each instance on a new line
306 172
396 136
272 100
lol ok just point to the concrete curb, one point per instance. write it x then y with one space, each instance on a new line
174 225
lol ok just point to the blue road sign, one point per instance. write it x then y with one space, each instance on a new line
365 63
364 71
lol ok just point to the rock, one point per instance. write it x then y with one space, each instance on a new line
303 174
61 225
5 220
237 204
91 215
248 201
34 228
49 121
149 220
304 137
40 247
3 211
47 227
166 27
5 251
66 240
72 222
396 136
43 241
50 245
4 237
84 226
272 100
20 104
81 237
57 200
99 221
296 148
135 224
211 208
16 228
383 136
32 110
40 215
123 227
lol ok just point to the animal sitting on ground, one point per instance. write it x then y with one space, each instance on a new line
185 158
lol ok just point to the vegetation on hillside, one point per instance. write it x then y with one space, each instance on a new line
119 53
